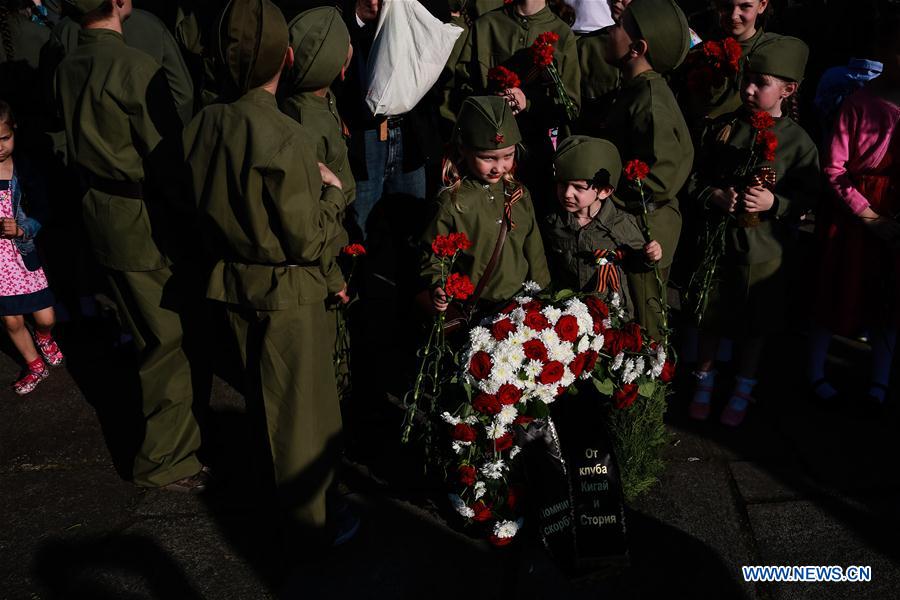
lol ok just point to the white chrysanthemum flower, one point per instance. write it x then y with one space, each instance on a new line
451 419
583 344
523 299
495 430
520 336
549 337
480 489
567 379
656 368
531 287
552 313
517 316
502 373
490 385
639 365
506 529
507 415
471 420
607 323
460 506
630 372
617 361
494 470
533 368
546 393
480 339
562 352
615 300
597 343
459 447
514 451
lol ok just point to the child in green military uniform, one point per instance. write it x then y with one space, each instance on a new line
481 194
267 219
502 38
588 228
747 297
118 114
599 81
645 123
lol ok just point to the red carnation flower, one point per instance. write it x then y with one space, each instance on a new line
761 120
482 512
767 142
463 432
613 341
459 286
480 365
460 240
567 328
633 340
636 170
542 49
733 54
626 396
508 394
487 404
536 320
501 78
535 350
466 475
354 250
552 372
502 329
504 442
446 246
668 372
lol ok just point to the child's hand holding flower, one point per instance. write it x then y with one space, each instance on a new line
653 251
725 199
515 97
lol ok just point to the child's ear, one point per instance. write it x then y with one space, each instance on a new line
790 89
605 192
639 48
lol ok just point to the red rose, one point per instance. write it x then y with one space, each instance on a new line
499 542
482 512
626 396
480 365
613 341
598 310
561 390
552 372
354 250
668 372
509 394
486 404
535 350
567 328
523 420
463 432
636 170
767 142
633 341
504 442
466 475
761 120
583 362
591 361
502 78
502 329
536 321
459 286
509 308
532 305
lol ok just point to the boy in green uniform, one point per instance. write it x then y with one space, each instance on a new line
266 223
588 227
645 123
117 109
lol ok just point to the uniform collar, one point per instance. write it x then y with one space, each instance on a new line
601 219
92 36
260 96
640 79
545 15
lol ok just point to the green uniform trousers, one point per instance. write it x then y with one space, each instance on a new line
172 436
287 358
665 227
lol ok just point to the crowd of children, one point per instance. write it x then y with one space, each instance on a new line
539 124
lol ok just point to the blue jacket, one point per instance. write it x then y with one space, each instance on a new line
28 190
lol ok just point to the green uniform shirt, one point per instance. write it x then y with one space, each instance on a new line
319 116
646 123
22 82
264 219
570 247
501 37
599 81
144 31
476 210
116 109
797 186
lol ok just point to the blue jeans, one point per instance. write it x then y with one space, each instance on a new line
384 163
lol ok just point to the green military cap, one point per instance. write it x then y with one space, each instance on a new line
665 28
252 40
486 123
83 7
780 55
320 41
591 159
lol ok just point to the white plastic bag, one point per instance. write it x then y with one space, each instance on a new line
410 50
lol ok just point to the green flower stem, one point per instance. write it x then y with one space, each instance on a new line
571 111
662 299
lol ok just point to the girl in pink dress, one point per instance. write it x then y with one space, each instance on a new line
859 280
23 285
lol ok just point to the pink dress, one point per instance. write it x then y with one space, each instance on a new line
21 291
859 280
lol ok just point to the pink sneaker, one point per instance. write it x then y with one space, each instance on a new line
30 380
49 350
733 417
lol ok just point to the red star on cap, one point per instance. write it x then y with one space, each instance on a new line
498 138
